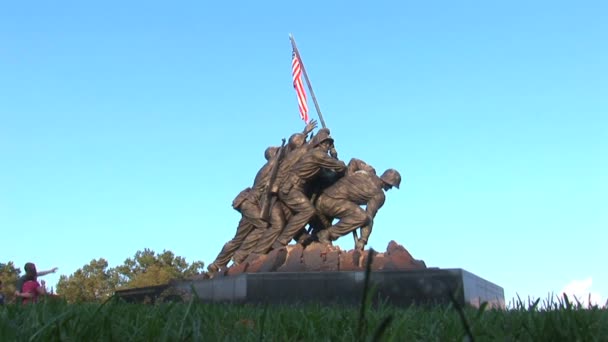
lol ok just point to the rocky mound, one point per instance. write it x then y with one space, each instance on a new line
319 258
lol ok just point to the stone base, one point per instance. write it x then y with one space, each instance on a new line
320 258
326 274
398 288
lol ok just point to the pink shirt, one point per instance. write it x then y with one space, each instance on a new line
31 286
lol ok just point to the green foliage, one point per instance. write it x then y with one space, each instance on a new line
96 282
9 275
147 269
93 282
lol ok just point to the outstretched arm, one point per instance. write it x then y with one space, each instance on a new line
43 273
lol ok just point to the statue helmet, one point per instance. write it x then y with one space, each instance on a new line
296 140
391 177
321 136
270 152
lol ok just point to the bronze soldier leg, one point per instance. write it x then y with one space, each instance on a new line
319 222
303 211
258 239
350 214
248 245
245 227
277 223
354 217
252 212
250 220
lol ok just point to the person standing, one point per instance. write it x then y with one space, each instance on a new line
30 268
32 289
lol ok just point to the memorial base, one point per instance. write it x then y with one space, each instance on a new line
395 288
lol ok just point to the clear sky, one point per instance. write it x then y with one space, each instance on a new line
127 125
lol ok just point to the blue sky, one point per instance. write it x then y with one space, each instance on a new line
132 125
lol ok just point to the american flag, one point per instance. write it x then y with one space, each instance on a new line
296 71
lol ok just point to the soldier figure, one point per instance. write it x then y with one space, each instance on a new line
276 217
292 189
249 203
305 183
361 186
297 147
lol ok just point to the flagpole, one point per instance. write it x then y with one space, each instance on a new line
312 93
314 99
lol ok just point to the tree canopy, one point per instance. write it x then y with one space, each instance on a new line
97 282
92 282
147 269
9 275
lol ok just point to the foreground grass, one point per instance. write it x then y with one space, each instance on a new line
555 320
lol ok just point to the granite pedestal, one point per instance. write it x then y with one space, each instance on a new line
397 288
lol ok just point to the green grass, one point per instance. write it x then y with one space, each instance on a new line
552 320
555 319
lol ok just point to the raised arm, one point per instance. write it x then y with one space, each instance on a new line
43 273
310 126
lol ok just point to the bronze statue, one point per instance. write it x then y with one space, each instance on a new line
304 183
297 147
250 203
343 200
260 241
292 188
269 212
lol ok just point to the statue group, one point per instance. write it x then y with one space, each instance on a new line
298 194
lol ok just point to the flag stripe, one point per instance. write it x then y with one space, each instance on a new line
296 71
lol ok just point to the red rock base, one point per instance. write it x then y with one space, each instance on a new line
319 258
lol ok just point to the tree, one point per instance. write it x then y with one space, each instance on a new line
9 275
147 268
96 282
93 282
